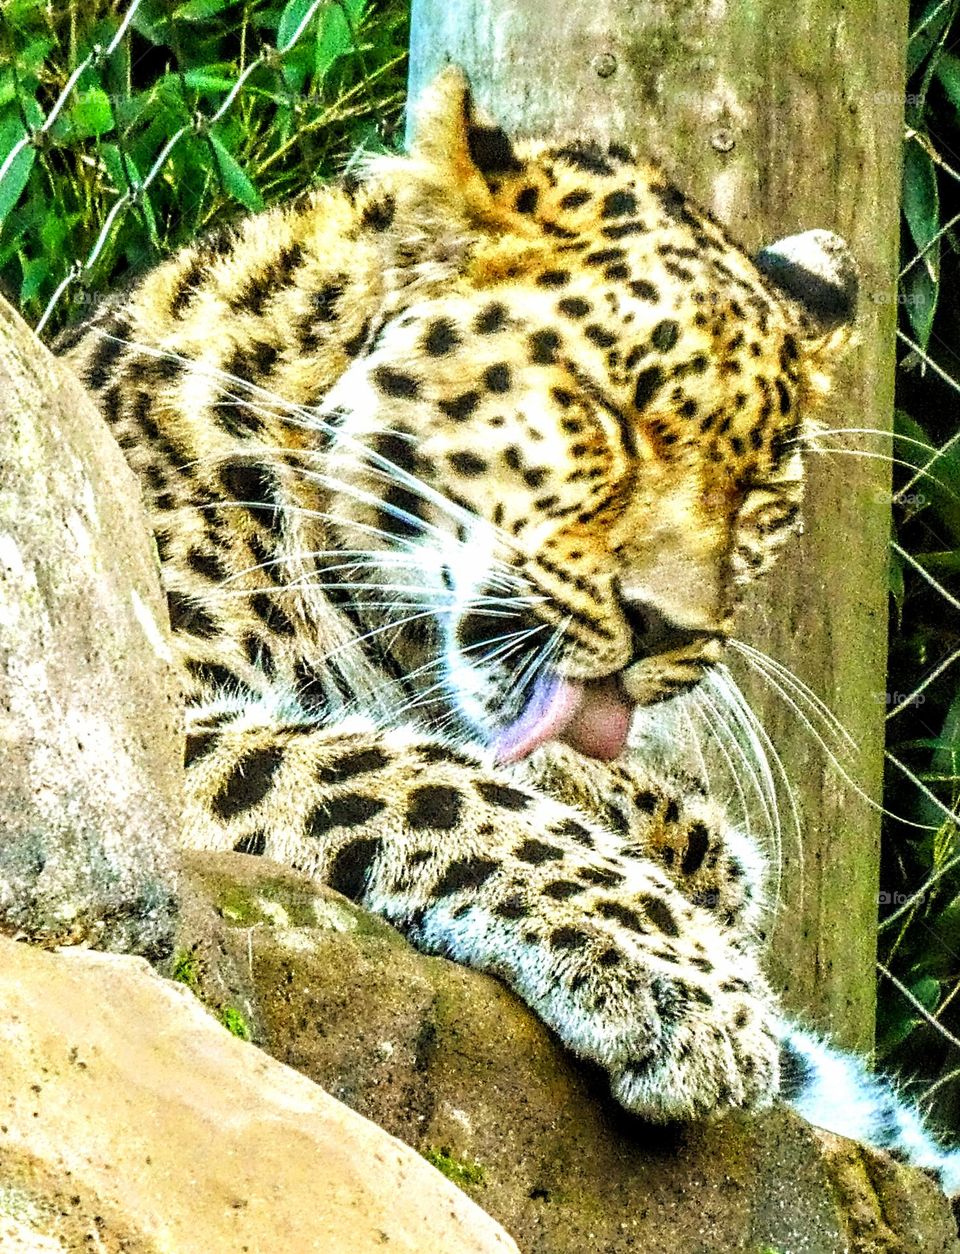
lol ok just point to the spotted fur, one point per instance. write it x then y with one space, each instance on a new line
410 442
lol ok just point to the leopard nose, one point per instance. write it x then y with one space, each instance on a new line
655 632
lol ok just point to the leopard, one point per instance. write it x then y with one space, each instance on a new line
455 467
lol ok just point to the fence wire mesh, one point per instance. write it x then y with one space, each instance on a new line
129 128
262 97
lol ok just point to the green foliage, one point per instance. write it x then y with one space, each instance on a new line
235 1023
326 80
464 1174
920 939
186 969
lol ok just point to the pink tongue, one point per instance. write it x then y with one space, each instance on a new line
602 721
591 717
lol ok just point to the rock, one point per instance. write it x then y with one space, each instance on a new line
90 746
22 1238
132 1121
453 1063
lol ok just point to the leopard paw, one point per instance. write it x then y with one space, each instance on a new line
682 1035
717 1053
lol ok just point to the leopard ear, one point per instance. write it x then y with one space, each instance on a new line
450 135
816 270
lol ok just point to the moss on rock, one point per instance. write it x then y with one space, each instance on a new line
466 1175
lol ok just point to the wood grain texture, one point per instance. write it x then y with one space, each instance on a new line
778 118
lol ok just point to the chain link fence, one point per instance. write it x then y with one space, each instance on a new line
124 137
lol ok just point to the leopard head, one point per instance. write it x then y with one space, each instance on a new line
580 421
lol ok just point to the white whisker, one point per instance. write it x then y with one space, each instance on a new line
764 751
719 729
776 686
510 644
540 659
314 420
758 775
831 450
803 691
887 435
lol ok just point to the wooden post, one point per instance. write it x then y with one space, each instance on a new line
778 118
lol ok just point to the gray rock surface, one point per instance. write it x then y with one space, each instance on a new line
450 1061
131 1121
90 747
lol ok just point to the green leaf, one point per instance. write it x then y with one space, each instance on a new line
947 924
35 54
129 110
90 114
123 173
150 24
8 86
921 208
293 14
297 65
948 74
20 14
53 235
927 992
146 209
945 758
200 10
943 562
34 273
919 292
891 1034
23 14
203 80
923 742
921 200
335 39
938 489
112 159
234 180
15 179
927 30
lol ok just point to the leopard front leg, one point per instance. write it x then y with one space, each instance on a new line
668 818
474 865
